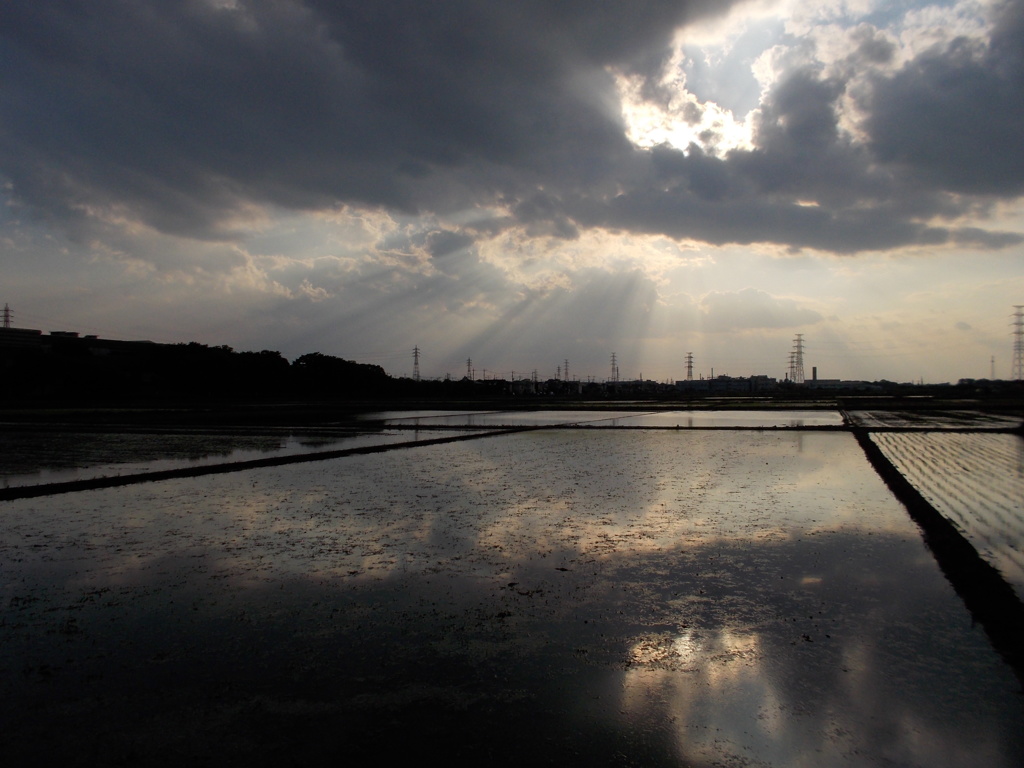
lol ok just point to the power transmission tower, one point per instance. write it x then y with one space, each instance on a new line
469 368
416 363
615 370
8 314
689 366
1018 342
796 360
566 369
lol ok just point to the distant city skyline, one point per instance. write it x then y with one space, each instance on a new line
524 183
612 371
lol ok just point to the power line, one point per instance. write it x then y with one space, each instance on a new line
1018 342
796 360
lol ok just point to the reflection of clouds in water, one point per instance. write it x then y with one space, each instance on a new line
501 500
731 599
689 649
704 677
726 696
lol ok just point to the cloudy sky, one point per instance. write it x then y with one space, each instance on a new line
522 183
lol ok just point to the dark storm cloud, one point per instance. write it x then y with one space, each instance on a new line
181 114
954 115
751 197
181 110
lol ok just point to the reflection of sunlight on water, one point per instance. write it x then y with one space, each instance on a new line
726 697
720 658
704 684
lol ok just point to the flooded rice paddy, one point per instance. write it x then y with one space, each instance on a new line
37 458
976 481
683 419
930 420
582 597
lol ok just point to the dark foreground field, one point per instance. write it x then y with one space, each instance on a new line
582 596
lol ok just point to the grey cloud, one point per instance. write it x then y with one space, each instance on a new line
544 215
452 255
800 115
181 114
980 238
443 242
806 184
953 116
181 111
872 46
738 200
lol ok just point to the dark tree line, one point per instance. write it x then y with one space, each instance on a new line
87 370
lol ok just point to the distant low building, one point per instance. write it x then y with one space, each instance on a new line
20 337
730 384
839 384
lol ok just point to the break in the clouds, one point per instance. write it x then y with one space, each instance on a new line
485 158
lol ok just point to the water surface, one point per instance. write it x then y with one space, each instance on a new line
575 597
976 481
683 419
38 458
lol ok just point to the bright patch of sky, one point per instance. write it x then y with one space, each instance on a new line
721 69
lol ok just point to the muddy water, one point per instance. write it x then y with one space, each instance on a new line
38 458
572 597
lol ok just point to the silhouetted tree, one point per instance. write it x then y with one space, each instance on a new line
324 375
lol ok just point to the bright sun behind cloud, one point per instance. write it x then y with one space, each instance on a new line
709 88
683 121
